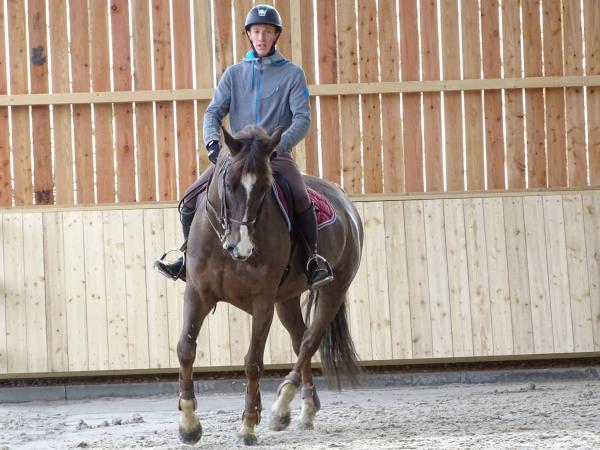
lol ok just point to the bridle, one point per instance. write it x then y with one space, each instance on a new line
222 216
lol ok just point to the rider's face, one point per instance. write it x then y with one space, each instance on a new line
262 37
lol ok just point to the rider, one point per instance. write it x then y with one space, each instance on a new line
267 90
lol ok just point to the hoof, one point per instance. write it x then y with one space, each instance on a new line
190 438
247 440
280 423
306 426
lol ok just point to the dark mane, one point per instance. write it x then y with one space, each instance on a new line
252 158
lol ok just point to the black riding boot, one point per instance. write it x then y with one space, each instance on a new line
176 269
318 270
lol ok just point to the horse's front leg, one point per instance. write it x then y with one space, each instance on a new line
261 323
194 312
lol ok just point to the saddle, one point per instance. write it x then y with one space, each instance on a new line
282 194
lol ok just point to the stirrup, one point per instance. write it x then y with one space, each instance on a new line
178 275
315 258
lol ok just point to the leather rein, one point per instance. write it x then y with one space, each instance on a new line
222 215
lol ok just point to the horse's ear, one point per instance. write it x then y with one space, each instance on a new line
233 144
274 139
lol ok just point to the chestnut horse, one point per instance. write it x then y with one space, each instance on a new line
238 249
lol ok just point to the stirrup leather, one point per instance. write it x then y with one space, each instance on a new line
181 272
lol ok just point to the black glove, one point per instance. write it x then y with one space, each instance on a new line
213 148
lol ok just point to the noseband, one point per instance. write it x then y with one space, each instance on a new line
222 216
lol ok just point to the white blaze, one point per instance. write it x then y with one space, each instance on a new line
245 246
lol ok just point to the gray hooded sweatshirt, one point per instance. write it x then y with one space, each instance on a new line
268 91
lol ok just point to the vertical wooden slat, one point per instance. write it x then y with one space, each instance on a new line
6 190
54 279
481 312
349 104
534 98
458 278
163 79
537 267
158 326
358 305
174 290
284 44
377 280
204 67
14 290
472 99
74 251
432 101
3 310
137 307
416 252
242 45
186 146
116 289
502 328
370 104
393 152
330 139
82 114
397 277
591 17
240 337
455 171
125 154
307 24
61 114
513 98
579 288
97 320
562 326
144 123
494 142
518 276
437 276
591 215
223 36
100 69
573 60
21 143
220 348
35 293
40 115
411 103
279 343
555 97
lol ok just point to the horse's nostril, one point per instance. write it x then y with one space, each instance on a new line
230 248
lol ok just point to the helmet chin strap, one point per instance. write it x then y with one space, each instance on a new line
270 51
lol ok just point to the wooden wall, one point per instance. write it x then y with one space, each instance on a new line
441 278
399 105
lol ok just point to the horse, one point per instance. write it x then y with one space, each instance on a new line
238 249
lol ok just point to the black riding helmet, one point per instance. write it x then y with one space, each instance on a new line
264 15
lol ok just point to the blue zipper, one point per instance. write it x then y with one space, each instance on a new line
258 92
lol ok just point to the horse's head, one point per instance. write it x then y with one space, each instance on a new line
245 176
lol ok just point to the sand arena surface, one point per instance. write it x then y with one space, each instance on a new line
520 415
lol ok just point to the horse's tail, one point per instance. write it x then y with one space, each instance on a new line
338 355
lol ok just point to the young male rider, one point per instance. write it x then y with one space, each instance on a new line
266 90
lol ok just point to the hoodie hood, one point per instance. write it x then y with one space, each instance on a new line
276 59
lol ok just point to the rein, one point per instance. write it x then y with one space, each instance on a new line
222 217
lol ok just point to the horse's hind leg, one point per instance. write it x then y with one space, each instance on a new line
290 314
194 312
261 324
